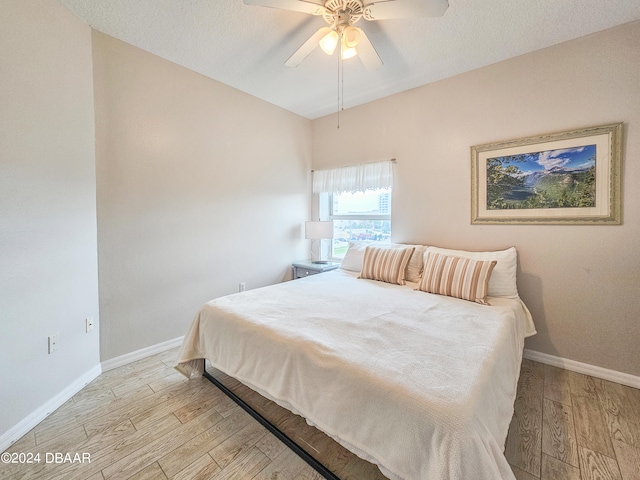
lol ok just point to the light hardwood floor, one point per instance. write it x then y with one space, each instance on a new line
146 421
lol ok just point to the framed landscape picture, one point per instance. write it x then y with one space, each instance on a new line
568 177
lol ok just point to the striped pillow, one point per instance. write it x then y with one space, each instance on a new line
457 277
385 264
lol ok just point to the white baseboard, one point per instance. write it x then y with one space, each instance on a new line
22 428
584 368
12 435
140 354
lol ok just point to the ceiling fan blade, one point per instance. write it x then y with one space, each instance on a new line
314 7
367 53
306 48
384 9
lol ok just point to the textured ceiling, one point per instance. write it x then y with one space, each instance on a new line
246 46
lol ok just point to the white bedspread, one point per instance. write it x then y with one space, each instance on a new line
422 385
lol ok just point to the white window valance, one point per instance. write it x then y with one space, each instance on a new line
354 178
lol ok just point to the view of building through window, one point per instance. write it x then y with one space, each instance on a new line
360 216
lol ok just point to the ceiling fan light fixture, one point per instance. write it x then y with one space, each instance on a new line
348 52
351 36
329 42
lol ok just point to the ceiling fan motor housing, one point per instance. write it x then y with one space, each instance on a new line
343 13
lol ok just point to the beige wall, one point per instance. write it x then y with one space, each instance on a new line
582 283
48 249
200 187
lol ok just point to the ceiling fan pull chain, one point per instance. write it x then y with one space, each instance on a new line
340 77
342 85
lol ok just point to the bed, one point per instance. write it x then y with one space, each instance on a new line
421 384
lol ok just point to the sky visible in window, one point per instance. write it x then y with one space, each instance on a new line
359 202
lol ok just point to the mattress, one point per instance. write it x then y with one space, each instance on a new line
422 385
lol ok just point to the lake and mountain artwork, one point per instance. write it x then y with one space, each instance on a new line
562 178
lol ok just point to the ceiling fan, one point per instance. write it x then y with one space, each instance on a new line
342 14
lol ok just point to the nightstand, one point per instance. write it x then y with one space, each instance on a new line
307 267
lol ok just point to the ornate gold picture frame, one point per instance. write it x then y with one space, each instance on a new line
569 177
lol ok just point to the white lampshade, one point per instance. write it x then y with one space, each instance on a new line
318 230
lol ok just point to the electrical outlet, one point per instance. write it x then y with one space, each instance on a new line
242 287
89 324
54 342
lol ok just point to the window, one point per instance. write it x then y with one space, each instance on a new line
364 214
359 216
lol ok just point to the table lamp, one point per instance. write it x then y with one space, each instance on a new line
318 231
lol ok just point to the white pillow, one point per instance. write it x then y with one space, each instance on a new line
354 257
414 269
503 278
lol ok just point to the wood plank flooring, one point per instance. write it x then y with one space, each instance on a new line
146 421
572 426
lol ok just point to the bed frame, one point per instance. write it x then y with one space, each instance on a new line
283 437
